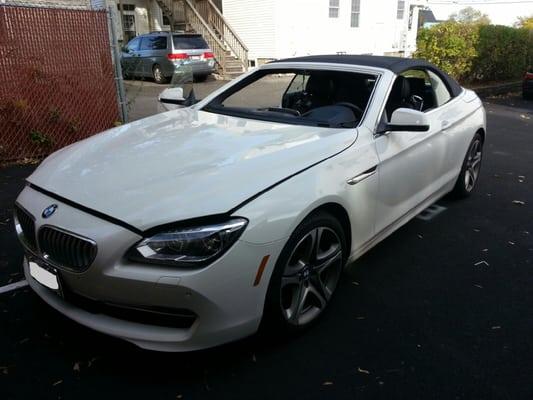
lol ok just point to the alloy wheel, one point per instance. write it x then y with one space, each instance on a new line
158 74
473 165
311 276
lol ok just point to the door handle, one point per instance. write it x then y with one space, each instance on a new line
361 177
445 124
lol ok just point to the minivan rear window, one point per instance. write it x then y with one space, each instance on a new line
189 42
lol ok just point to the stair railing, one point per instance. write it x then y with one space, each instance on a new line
195 20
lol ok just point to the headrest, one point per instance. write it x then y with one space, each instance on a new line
401 88
417 85
319 85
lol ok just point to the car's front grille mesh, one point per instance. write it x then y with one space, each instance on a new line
66 250
27 225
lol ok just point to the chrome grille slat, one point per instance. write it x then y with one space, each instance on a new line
65 249
27 225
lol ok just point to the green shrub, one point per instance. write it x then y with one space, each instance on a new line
451 46
477 52
502 53
39 138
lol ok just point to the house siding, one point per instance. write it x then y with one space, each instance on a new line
255 22
288 28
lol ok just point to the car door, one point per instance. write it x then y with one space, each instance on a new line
154 50
411 164
130 57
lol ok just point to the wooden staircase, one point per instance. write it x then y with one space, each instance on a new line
204 17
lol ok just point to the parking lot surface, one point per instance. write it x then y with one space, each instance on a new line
439 310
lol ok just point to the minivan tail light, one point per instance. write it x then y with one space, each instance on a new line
209 54
177 56
529 76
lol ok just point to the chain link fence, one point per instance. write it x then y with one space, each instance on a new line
57 78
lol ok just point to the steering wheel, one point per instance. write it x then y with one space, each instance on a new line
358 112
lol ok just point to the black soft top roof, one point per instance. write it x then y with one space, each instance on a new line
394 64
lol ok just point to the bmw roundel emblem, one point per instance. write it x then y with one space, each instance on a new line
49 211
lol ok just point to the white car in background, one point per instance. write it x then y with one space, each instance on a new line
198 226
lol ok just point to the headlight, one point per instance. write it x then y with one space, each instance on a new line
189 247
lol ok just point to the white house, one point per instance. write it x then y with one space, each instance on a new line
285 28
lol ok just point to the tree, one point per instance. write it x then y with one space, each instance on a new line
470 15
525 22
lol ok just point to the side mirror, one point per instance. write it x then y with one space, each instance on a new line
175 96
405 119
172 96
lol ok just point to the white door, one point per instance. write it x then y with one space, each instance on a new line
411 164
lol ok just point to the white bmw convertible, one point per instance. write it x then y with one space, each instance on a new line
201 225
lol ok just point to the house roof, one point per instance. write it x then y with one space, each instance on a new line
394 64
426 16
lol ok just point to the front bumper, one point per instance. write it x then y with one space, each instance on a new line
198 68
222 297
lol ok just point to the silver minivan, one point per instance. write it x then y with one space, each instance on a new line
156 55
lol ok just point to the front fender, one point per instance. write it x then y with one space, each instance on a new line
275 214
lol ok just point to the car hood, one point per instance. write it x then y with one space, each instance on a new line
183 164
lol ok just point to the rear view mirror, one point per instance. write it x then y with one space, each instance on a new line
406 119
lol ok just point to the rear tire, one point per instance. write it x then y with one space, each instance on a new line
157 73
469 175
305 276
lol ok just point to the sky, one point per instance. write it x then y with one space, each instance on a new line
502 12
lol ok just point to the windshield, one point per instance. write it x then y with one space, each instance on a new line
189 42
335 99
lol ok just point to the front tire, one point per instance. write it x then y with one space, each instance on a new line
306 274
469 175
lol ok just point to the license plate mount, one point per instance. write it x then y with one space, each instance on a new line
45 274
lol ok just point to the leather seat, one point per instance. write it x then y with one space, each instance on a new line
399 96
352 90
320 90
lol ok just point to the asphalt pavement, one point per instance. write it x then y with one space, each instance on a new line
442 309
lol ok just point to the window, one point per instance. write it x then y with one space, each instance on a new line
322 98
154 43
128 24
133 45
417 89
334 8
189 42
442 94
401 9
166 20
250 95
356 10
127 7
